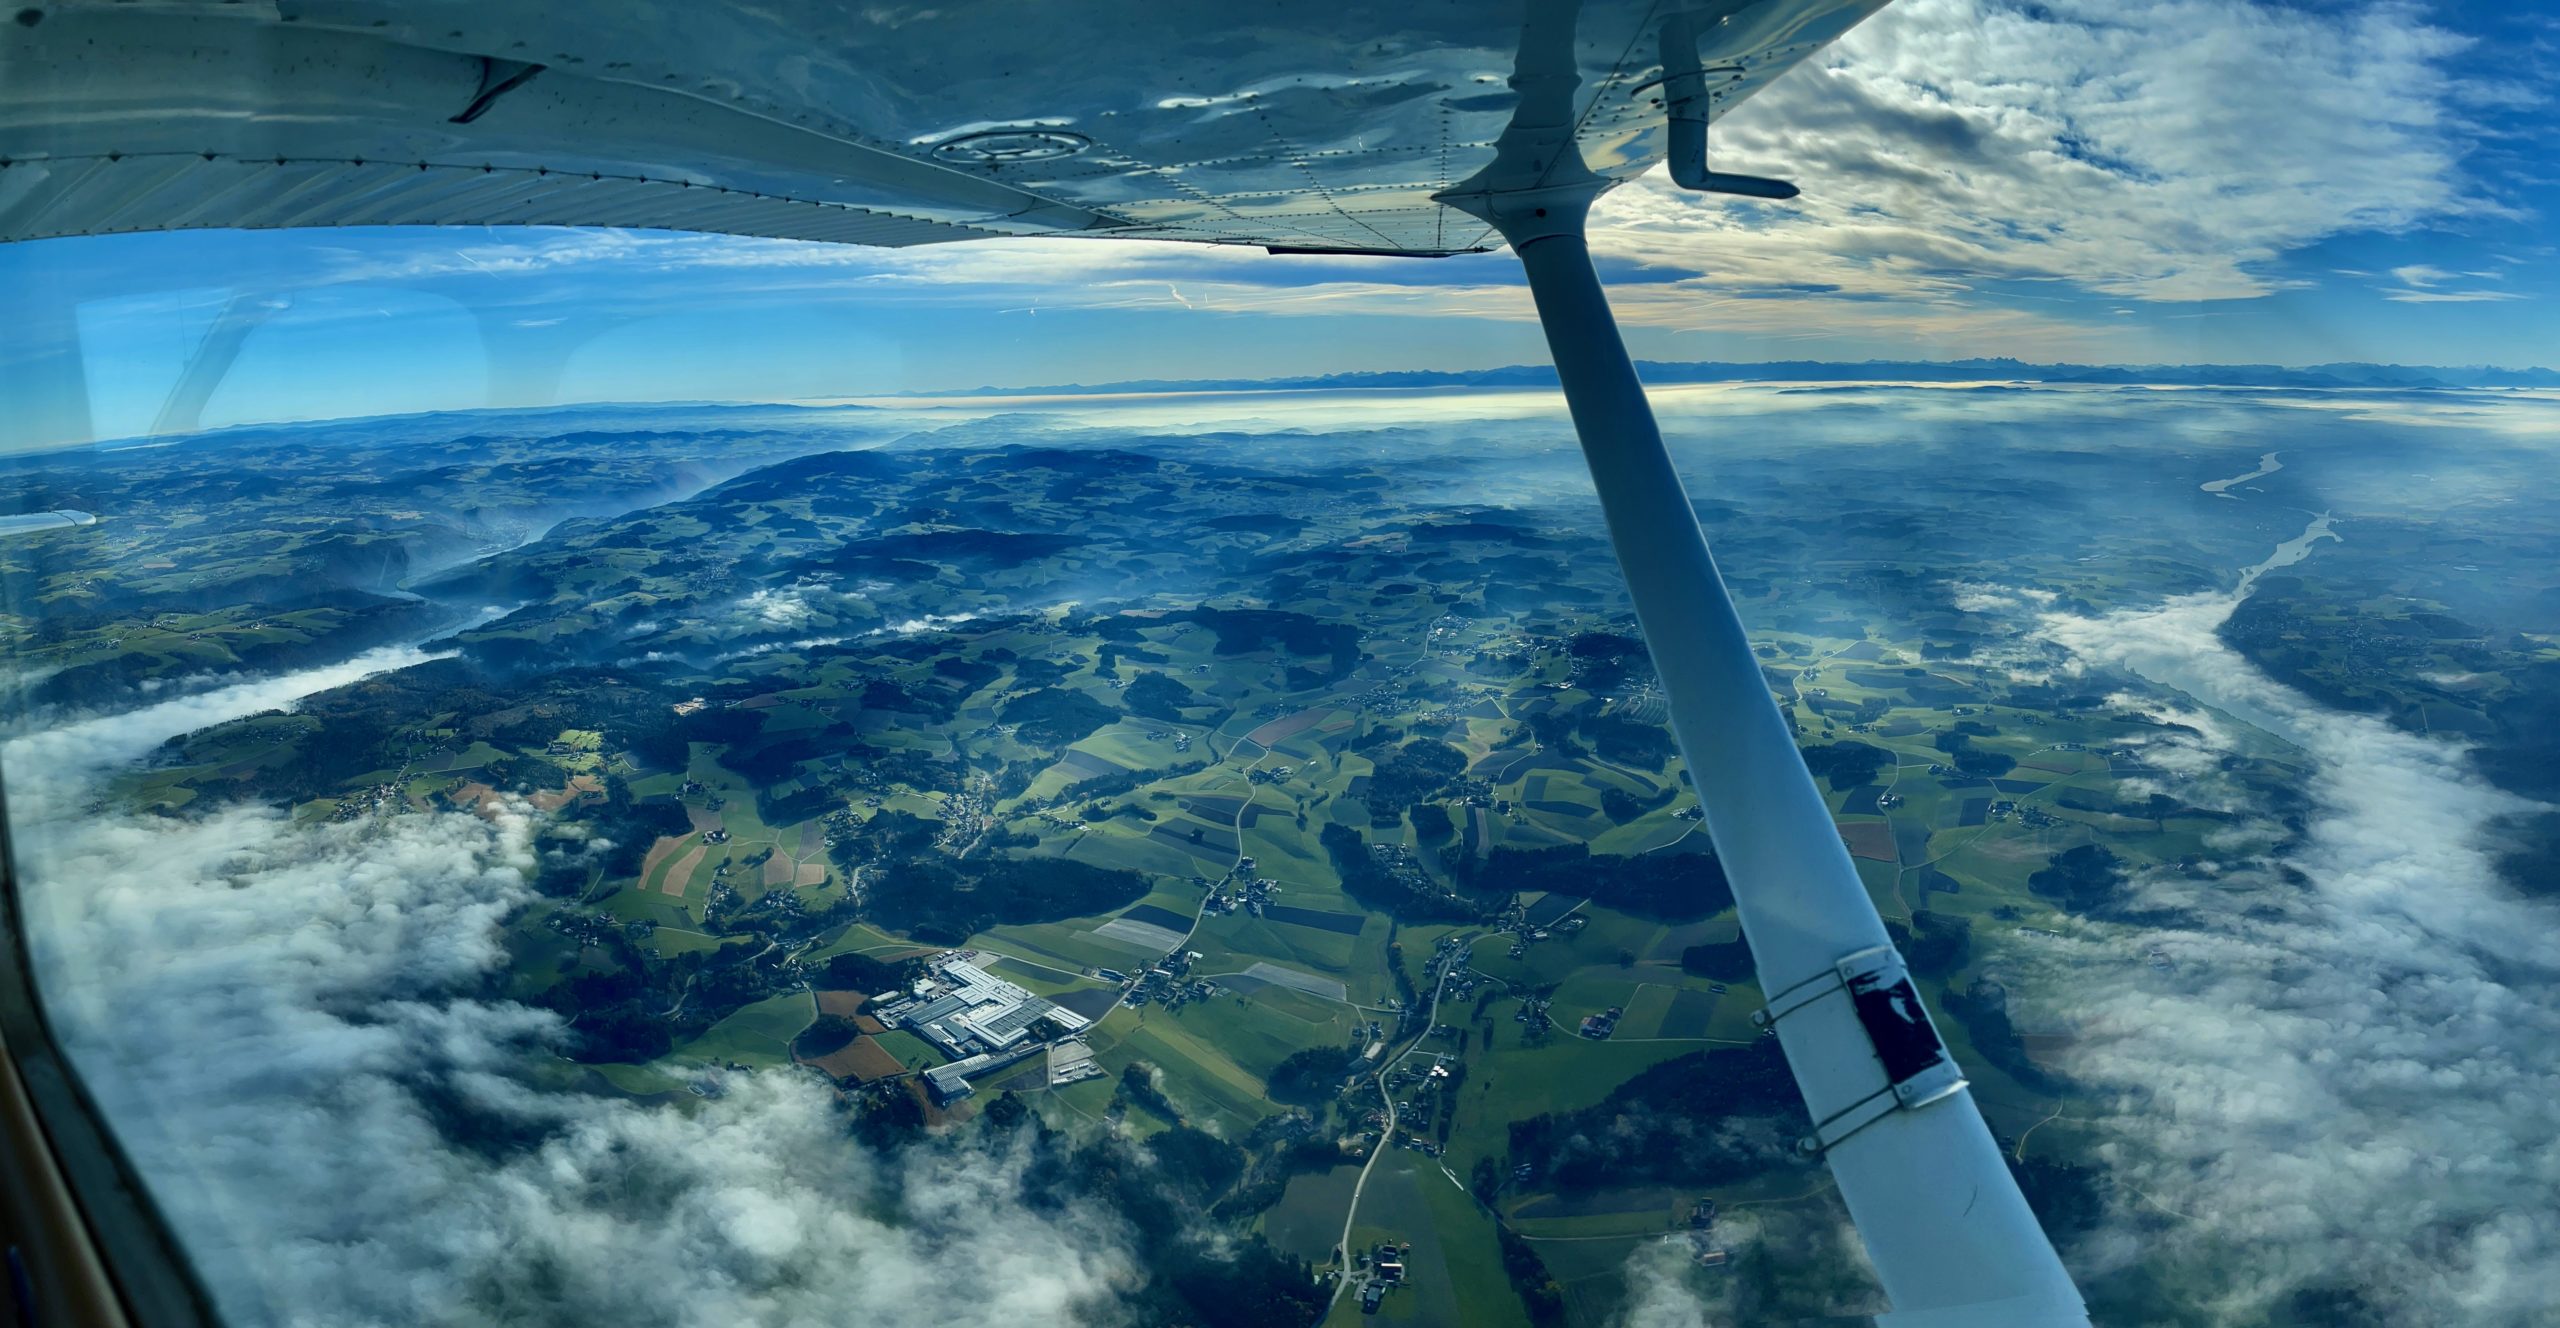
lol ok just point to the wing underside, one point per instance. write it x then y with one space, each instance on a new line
1297 126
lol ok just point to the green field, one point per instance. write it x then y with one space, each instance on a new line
758 1035
1256 1032
1203 1081
1515 1082
1307 1221
1454 1270
640 1080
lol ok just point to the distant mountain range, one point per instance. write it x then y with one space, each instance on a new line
1827 371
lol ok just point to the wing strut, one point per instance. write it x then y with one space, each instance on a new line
1943 1221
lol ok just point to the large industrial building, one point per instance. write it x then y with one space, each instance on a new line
963 1010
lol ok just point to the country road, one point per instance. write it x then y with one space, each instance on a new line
1387 1133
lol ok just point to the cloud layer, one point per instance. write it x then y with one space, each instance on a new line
71 754
2164 154
2339 1095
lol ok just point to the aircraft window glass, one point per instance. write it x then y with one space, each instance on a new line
563 775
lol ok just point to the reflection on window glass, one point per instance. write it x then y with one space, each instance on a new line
602 776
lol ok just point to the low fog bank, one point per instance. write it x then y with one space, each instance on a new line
299 1035
294 1033
55 771
2336 1103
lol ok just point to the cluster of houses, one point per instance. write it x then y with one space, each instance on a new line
1169 984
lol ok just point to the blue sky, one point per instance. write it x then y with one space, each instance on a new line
2192 180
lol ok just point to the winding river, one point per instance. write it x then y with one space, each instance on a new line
2267 465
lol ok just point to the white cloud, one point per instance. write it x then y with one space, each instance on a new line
2343 1082
287 1024
931 622
2422 283
2448 297
1983 597
785 608
2164 154
50 770
1787 1261
1660 1290
294 1032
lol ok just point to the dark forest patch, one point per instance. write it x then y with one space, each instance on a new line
946 902
1242 631
1847 764
1158 696
1701 1119
1663 887
1055 716
2087 879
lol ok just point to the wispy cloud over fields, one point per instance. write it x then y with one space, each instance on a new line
298 1035
292 1031
2337 1099
71 753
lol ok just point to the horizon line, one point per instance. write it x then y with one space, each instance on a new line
2157 375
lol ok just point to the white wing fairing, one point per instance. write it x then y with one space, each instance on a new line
1297 125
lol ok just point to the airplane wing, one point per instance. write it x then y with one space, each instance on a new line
1297 126
33 523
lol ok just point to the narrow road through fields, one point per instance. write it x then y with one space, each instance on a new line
1386 1133
1236 825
